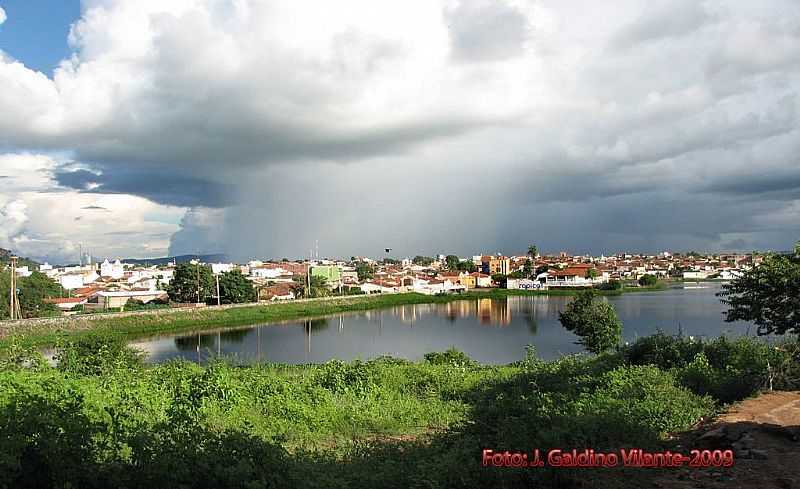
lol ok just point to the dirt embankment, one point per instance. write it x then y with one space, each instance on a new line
763 432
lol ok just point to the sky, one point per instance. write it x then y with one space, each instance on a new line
258 128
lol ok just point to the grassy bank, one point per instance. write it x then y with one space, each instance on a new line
102 419
155 322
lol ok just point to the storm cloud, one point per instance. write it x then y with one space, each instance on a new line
460 126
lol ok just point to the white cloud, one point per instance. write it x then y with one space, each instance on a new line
247 105
42 220
3 16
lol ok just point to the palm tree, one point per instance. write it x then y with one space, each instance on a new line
533 251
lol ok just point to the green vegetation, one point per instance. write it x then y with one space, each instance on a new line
234 288
467 266
100 418
768 295
424 261
365 271
192 282
595 322
33 290
648 280
452 261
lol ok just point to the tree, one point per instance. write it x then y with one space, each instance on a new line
187 279
234 288
767 294
594 321
364 271
648 280
452 261
527 268
424 261
499 279
592 273
467 266
33 290
533 251
319 287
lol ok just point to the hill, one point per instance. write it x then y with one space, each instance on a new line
211 258
5 258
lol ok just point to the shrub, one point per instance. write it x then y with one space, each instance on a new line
648 280
97 354
450 357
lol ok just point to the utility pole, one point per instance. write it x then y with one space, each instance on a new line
218 299
197 267
13 310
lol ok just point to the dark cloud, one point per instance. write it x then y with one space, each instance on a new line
167 186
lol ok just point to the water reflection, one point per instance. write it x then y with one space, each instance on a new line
489 330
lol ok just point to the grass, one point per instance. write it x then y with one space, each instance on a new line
102 419
48 333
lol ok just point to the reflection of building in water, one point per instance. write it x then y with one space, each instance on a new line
458 309
494 312
407 314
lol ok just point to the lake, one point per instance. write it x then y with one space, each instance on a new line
490 331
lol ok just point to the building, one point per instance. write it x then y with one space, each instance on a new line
524 284
66 303
276 292
330 273
491 265
112 270
114 300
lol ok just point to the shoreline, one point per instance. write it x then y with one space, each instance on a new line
47 332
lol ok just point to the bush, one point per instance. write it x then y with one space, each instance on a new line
610 285
450 357
728 370
648 280
97 354
340 377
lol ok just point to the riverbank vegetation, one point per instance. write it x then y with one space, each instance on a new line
160 320
101 418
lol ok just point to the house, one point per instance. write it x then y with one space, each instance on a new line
578 275
468 280
66 303
695 274
276 292
71 281
482 279
118 299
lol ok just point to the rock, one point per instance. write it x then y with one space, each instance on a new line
714 437
786 483
758 454
746 441
742 453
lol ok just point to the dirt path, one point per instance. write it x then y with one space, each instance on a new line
763 432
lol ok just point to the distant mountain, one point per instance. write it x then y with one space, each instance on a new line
5 258
212 258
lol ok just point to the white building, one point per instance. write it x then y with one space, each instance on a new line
217 268
23 272
71 281
114 270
